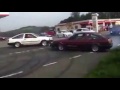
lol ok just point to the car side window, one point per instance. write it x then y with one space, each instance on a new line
79 36
18 36
95 36
29 36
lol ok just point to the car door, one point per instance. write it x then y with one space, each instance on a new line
76 41
88 40
30 39
91 39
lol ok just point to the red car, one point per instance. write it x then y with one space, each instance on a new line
51 32
85 40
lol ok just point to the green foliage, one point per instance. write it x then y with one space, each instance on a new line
109 67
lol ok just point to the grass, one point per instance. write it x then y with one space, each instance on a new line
109 66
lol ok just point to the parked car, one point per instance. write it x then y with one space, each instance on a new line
45 34
115 30
64 33
29 39
83 30
85 40
51 33
2 38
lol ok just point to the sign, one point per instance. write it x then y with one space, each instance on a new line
95 22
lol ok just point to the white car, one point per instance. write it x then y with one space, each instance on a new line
83 30
64 33
28 39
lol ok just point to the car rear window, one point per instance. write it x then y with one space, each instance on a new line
18 36
96 36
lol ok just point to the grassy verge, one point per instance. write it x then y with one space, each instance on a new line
109 66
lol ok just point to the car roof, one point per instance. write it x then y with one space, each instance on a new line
86 32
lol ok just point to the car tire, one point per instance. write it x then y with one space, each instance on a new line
44 43
95 48
17 45
61 47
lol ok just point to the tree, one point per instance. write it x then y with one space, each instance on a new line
75 14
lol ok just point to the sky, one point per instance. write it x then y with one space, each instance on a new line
21 19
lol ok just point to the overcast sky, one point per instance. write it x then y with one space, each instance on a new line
21 19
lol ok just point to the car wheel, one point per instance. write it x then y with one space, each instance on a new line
95 48
44 43
60 47
17 44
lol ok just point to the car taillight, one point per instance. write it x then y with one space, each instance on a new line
110 40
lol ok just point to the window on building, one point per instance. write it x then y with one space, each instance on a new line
76 27
58 29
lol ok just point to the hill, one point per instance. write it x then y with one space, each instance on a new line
28 29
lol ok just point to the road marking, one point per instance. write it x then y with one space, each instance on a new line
27 51
91 52
76 57
10 53
34 49
41 48
13 74
23 51
49 64
18 52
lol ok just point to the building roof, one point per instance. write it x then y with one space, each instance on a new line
90 20
4 14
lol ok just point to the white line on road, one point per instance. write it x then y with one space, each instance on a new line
91 52
10 53
76 57
27 51
18 52
13 74
41 48
49 64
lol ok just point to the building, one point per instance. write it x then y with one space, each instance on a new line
4 14
85 23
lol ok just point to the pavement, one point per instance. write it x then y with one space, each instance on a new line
42 62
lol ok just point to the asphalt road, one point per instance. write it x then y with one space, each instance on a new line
42 62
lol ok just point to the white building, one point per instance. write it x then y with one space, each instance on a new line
85 23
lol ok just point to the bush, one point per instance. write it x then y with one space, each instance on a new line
109 66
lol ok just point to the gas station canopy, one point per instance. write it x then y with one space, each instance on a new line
4 14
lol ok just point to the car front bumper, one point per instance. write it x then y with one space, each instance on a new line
10 44
106 46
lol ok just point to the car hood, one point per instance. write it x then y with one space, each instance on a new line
67 33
